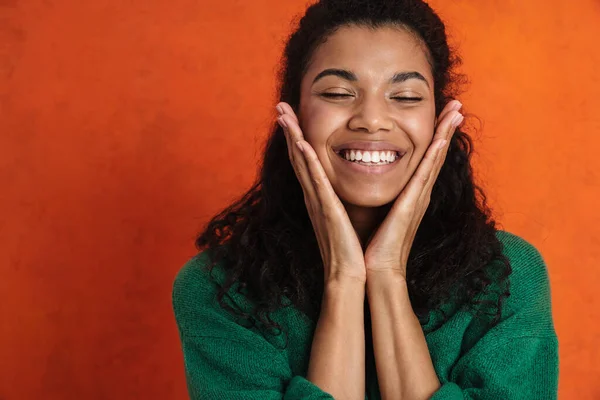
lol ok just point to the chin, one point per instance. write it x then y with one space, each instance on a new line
367 199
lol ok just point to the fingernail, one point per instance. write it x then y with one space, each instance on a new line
457 120
457 106
299 146
282 122
279 109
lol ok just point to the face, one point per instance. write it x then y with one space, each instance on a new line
350 104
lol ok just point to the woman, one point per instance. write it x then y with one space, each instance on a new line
362 264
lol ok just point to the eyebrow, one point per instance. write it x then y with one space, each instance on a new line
351 76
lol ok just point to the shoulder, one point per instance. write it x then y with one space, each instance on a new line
529 278
194 297
519 250
193 280
529 284
191 286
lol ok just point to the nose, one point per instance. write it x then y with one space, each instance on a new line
371 115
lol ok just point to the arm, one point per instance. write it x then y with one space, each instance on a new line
516 359
404 367
517 368
218 368
337 361
230 362
224 360
519 357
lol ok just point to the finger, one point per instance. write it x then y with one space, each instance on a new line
325 193
291 153
320 183
298 163
440 157
441 146
446 128
295 154
453 105
287 109
420 183
424 173
293 135
292 127
423 179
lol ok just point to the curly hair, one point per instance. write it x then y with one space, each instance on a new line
265 241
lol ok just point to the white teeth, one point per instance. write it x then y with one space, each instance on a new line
376 157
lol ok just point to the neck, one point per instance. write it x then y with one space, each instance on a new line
366 220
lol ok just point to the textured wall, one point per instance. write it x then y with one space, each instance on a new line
125 125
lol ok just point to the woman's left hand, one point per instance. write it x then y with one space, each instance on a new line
389 246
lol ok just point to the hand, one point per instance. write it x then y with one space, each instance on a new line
389 246
339 245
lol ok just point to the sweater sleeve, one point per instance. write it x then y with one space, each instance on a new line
219 368
523 368
224 360
517 358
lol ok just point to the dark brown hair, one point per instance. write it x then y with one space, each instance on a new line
265 240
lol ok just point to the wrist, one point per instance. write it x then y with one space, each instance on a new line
343 299
342 285
380 279
388 274
337 279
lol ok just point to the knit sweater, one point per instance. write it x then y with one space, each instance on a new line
515 359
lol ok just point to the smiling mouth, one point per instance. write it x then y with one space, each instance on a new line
370 158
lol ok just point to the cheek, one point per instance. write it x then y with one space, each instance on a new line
421 129
317 124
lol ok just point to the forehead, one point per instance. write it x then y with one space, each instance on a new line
371 53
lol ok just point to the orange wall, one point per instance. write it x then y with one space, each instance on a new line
125 125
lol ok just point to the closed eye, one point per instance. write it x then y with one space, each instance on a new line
408 98
334 95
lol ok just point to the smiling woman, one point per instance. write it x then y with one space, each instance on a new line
364 262
382 69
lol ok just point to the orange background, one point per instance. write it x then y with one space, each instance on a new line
125 125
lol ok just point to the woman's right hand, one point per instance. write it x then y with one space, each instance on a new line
339 245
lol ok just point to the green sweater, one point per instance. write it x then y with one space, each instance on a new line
516 359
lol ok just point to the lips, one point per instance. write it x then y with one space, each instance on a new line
371 170
369 146
341 155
